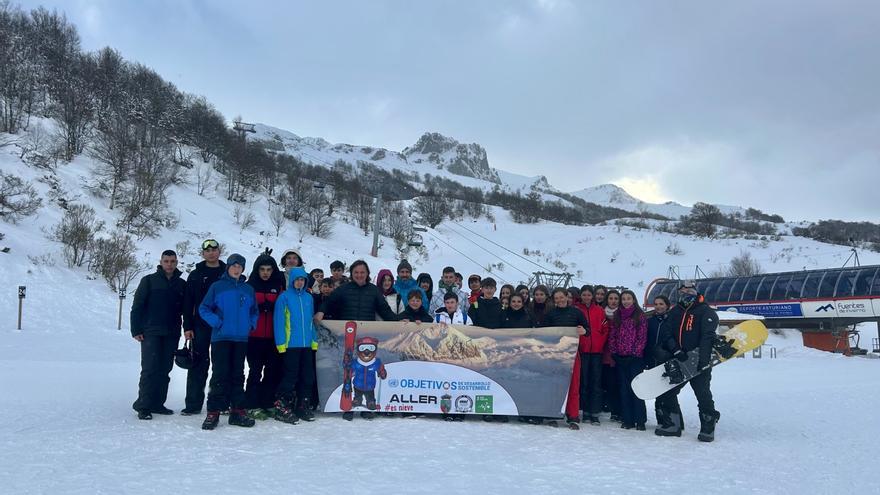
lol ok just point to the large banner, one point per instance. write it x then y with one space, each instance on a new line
433 368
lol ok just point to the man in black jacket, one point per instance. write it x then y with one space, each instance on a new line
155 323
358 300
199 281
691 324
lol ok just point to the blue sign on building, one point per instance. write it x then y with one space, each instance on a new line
783 310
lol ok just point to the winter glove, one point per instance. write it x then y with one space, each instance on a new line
680 355
265 307
314 346
382 373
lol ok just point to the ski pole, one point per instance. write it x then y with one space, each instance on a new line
379 395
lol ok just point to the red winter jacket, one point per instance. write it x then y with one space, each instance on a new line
595 342
266 306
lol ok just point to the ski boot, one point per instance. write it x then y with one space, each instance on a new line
348 415
594 420
145 415
187 411
239 417
164 411
211 420
707 426
368 415
304 411
572 423
284 411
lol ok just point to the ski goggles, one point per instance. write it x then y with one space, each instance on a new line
210 244
367 348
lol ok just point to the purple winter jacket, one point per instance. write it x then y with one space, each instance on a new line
628 338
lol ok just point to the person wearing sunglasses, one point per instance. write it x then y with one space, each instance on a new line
207 271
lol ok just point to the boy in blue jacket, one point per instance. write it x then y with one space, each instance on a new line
294 337
230 308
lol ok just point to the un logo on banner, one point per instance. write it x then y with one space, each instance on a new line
392 383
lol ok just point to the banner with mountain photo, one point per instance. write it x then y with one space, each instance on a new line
431 368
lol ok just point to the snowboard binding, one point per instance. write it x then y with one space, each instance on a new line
724 347
672 371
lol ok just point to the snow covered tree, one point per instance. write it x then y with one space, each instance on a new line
18 199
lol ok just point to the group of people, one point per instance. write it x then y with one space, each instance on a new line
269 320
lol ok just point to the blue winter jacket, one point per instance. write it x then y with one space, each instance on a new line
403 288
294 310
364 374
230 308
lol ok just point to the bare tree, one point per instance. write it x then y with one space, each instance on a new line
36 141
145 209
114 260
204 175
744 266
244 217
296 196
318 215
77 231
363 207
277 218
18 199
432 209
396 223
112 147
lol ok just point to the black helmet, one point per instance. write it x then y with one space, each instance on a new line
185 357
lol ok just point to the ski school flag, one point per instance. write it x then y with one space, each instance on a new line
430 368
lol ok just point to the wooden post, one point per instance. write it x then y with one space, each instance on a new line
21 295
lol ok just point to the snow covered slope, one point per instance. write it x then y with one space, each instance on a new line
69 377
69 428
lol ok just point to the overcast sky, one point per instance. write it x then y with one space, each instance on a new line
767 104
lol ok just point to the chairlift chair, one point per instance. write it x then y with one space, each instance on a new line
415 240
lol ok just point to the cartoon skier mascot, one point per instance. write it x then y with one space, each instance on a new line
364 371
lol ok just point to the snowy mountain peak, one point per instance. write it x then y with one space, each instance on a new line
469 160
608 194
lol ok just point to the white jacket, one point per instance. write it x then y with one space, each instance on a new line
459 318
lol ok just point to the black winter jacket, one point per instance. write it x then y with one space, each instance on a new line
422 315
566 317
691 328
486 313
512 318
197 284
157 305
353 302
655 352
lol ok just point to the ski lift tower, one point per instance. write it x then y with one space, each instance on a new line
243 128
551 280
